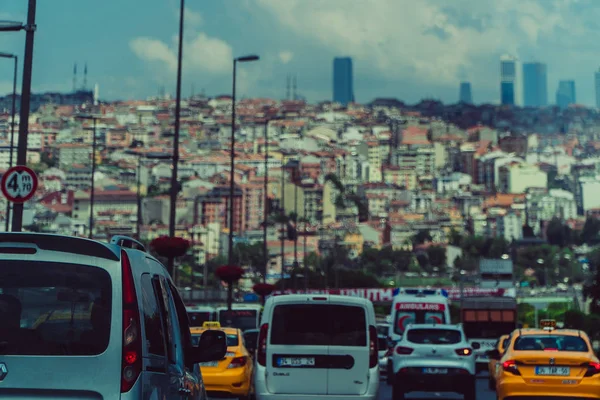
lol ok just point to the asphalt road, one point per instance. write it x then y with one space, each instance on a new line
483 393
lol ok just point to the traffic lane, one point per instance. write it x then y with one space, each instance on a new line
483 393
385 392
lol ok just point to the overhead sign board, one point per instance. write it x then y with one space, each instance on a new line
492 266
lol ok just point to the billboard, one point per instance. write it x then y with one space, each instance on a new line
496 273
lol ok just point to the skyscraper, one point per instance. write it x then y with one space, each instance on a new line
343 88
597 84
565 94
510 78
535 84
465 93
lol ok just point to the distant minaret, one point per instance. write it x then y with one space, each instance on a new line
288 87
193 90
294 97
96 93
85 77
75 77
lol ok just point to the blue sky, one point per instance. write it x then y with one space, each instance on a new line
401 48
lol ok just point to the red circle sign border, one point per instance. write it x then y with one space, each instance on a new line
19 168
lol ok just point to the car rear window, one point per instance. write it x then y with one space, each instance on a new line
434 336
550 342
54 309
319 325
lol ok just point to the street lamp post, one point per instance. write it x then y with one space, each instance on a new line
283 226
140 155
248 58
265 205
92 183
8 26
12 127
306 271
174 183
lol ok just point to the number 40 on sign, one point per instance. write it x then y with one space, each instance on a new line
19 184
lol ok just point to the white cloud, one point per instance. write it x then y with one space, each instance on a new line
192 17
433 41
201 52
286 56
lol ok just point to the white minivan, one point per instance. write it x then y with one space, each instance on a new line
317 347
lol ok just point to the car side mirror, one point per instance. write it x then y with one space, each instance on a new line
212 346
475 346
494 354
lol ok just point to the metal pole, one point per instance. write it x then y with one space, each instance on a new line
306 270
206 254
138 228
231 172
282 227
265 205
296 224
12 137
17 219
174 184
93 187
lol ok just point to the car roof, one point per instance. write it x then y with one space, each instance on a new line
434 326
333 298
228 331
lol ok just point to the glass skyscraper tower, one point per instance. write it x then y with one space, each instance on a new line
343 87
535 85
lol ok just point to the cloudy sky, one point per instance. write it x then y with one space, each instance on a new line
401 48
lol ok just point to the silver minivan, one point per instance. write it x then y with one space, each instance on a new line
317 347
90 320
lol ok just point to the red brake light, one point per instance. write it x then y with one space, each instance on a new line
132 342
261 351
404 350
464 351
511 366
237 362
593 369
373 359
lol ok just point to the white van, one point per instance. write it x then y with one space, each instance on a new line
317 346
418 306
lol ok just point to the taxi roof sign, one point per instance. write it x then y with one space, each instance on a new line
548 324
211 325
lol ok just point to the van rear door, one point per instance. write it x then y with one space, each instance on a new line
298 346
349 349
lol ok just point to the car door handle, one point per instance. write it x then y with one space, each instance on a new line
185 391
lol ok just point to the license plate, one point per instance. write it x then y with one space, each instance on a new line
296 362
560 371
435 371
209 364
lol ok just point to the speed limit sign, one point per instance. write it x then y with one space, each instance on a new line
19 184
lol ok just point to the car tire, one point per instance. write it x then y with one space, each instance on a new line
397 392
471 392
389 379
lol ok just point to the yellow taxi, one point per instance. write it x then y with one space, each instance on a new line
492 364
231 376
548 362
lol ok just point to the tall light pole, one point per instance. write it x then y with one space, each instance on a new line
29 28
283 226
140 156
12 127
265 204
248 58
92 183
174 183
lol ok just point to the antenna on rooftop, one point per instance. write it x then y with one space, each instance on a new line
84 87
75 77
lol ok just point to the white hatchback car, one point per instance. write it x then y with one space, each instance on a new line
317 347
432 357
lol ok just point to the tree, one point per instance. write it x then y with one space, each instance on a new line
591 228
557 233
498 246
437 256
454 238
422 237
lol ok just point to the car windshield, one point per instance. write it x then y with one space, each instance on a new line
232 340
434 336
55 309
551 342
406 317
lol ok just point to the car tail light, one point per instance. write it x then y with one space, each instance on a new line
132 341
593 368
237 362
373 358
464 351
404 350
511 366
261 351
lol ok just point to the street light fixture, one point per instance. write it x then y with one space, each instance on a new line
140 156
93 185
12 126
29 28
248 58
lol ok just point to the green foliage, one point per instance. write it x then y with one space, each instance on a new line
422 237
437 256
558 233
591 229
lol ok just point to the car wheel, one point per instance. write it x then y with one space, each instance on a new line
389 379
471 392
491 384
397 392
